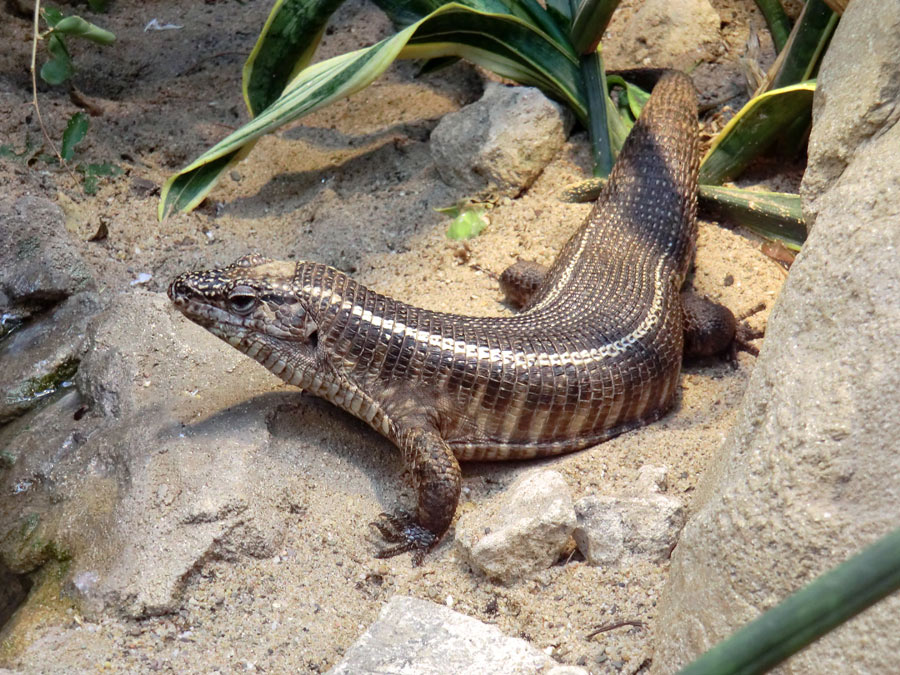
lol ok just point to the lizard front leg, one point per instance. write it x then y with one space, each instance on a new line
436 479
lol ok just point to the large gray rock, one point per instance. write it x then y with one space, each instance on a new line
500 143
808 475
41 355
525 530
156 479
40 270
40 264
864 53
419 637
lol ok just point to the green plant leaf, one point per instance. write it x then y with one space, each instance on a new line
774 215
807 42
99 5
814 610
635 98
561 10
468 224
590 19
78 27
56 71
51 16
503 43
94 172
59 67
75 131
777 20
754 129
603 114
284 47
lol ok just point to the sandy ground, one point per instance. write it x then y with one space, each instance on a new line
353 186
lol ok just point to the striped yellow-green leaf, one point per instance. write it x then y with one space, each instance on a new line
774 215
590 19
284 47
504 43
805 47
753 130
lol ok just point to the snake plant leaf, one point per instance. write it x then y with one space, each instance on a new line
405 12
633 97
284 47
817 608
561 10
774 215
805 47
777 20
754 129
591 17
504 43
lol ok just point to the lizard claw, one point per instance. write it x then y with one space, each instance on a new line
403 534
743 334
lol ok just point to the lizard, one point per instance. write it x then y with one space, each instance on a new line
595 352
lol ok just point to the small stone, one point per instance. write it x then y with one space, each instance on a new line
651 479
500 143
640 524
568 670
417 636
524 530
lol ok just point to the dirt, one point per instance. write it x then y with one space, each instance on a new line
353 186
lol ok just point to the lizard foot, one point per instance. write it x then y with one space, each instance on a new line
403 534
743 334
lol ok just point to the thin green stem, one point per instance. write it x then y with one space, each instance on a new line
820 606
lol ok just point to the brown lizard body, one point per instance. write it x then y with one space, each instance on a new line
596 351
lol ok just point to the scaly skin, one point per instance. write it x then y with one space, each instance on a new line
597 350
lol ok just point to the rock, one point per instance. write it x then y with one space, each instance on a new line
845 118
13 591
645 524
39 264
43 353
526 529
567 670
417 636
500 143
663 34
149 485
40 269
808 475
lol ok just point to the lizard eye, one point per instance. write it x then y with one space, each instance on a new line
242 300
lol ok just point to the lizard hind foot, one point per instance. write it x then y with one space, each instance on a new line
744 334
402 533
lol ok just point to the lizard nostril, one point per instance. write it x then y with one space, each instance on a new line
179 289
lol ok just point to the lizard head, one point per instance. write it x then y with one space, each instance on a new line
253 305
